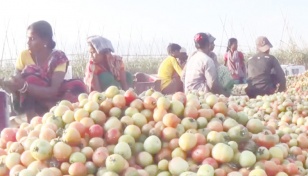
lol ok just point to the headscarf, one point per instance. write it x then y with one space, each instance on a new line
115 62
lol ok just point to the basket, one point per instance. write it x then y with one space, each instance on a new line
143 82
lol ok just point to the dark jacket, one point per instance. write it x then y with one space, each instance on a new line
264 73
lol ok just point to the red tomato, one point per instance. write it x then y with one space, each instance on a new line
8 134
199 153
130 96
112 136
267 139
96 131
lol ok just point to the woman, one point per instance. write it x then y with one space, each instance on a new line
39 81
234 60
264 73
170 70
105 69
201 73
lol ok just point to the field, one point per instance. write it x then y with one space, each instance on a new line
150 64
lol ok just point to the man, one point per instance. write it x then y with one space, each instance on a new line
170 71
200 71
182 57
264 73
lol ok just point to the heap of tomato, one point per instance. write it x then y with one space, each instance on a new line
118 133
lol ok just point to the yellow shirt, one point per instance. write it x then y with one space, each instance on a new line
25 59
166 70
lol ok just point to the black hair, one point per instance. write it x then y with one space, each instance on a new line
173 47
43 30
231 41
201 40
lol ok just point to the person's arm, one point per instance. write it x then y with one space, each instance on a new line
123 80
51 92
96 84
241 55
226 59
281 79
211 77
176 66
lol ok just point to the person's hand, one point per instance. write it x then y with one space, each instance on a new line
16 83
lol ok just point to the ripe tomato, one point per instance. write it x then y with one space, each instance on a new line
96 131
130 96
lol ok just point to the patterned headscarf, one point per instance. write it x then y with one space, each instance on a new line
100 44
115 63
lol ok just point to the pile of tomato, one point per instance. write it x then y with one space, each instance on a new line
117 133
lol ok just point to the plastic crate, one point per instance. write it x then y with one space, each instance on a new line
145 82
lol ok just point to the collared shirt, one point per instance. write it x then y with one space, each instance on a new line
200 73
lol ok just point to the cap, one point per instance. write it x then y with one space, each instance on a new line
263 44
183 50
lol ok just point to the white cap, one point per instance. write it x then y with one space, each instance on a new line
183 50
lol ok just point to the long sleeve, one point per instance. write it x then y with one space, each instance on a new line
279 75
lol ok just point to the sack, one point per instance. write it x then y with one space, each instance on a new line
225 78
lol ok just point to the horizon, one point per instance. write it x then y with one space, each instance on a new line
146 28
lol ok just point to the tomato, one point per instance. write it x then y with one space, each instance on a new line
152 144
99 156
115 163
47 134
96 131
159 114
119 101
199 153
8 134
271 168
41 149
163 103
211 100
130 96
211 161
239 133
77 157
62 151
222 153
191 111
179 96
171 120
96 142
247 159
112 136
77 169
187 141
177 166
255 126
149 103
72 136
112 91
267 139
220 107
138 104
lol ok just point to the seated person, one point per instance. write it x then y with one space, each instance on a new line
201 73
39 81
224 75
235 61
105 69
182 59
170 71
264 73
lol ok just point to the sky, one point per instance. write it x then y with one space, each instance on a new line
145 27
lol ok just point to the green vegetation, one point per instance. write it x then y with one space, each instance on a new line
149 64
